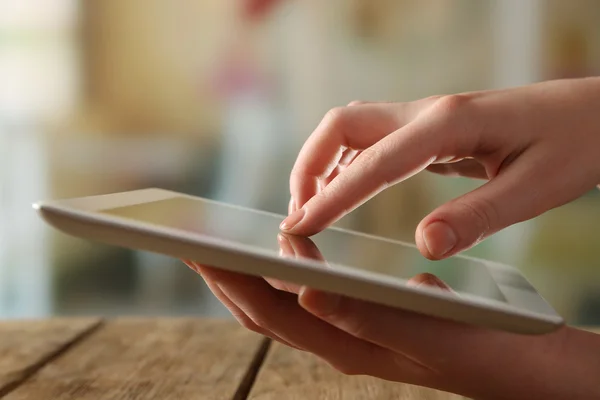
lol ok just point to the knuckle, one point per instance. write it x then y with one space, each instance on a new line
301 175
483 213
357 103
298 175
432 99
452 103
335 118
457 115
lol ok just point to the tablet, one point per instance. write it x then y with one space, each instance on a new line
353 264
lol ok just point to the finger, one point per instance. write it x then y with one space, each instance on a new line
347 158
295 247
282 285
503 201
235 311
416 336
334 174
451 350
466 168
303 247
430 280
375 169
357 127
280 313
285 250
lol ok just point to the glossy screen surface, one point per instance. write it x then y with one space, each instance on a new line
331 247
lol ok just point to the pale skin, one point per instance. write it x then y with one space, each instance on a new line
538 148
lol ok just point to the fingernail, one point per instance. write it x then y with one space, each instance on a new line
291 206
291 221
439 238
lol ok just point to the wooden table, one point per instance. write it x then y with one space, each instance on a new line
170 359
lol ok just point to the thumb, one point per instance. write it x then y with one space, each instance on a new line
525 189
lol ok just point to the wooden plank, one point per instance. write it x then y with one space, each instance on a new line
27 345
294 375
291 374
150 359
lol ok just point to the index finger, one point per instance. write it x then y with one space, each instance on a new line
357 127
391 160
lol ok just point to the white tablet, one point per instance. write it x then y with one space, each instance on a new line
349 263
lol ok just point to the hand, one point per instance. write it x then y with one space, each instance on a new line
363 338
258 8
302 247
538 146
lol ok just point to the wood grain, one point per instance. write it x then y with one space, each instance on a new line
150 359
291 374
171 358
27 345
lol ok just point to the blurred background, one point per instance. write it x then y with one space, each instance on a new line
215 97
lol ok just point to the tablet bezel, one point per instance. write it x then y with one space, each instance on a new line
83 217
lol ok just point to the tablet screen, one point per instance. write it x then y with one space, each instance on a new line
331 247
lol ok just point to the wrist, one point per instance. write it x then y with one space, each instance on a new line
561 365
567 368
577 367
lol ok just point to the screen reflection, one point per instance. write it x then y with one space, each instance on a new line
334 248
303 248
